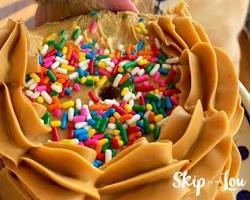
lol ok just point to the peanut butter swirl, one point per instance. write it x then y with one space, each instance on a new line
197 137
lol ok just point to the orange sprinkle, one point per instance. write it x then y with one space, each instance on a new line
55 100
73 46
99 107
145 53
135 135
151 117
54 106
69 53
117 54
124 78
46 80
125 117
61 80
62 76
44 70
162 89
111 120
98 148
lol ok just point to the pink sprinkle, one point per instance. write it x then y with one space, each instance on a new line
146 83
57 112
47 64
103 72
162 83
115 60
133 57
98 136
49 59
75 55
93 27
100 51
81 143
76 87
91 142
142 78
123 103
133 112
174 99
154 60
41 88
86 50
100 112
83 112
80 118
157 77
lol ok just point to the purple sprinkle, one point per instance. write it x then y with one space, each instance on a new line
243 152
243 195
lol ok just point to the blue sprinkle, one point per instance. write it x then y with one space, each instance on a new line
163 71
98 163
95 62
159 103
141 114
94 13
68 91
86 46
88 56
59 54
96 73
93 113
168 103
140 45
85 73
91 122
141 19
108 113
64 120
94 42
40 59
78 132
93 52
147 101
243 195
80 72
243 152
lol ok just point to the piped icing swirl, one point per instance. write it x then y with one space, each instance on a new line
197 136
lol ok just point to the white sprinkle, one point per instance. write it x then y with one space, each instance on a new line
154 70
128 96
166 66
131 102
30 82
157 43
139 59
141 72
71 114
41 121
110 102
78 39
138 95
117 80
87 127
160 123
146 114
61 60
111 64
35 95
172 60
56 88
28 93
106 52
87 112
109 69
111 126
79 125
125 126
120 47
91 103
78 104
74 76
134 119
108 155
55 65
122 63
84 64
33 86
135 71
61 70
44 49
97 46
46 97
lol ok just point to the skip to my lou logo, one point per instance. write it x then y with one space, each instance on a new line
182 180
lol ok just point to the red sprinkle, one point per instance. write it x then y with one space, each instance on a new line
119 109
91 67
170 76
55 135
93 97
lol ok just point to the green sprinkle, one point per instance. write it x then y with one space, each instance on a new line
104 123
105 146
129 65
114 152
76 33
46 118
54 93
127 83
152 97
171 86
97 122
102 57
78 80
154 108
51 75
156 133
77 112
146 125
62 33
160 61
123 132
51 42
57 46
149 67
108 136
90 82
139 108
161 111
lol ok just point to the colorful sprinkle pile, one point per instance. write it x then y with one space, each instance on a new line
131 91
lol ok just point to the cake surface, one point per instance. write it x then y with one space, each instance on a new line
110 106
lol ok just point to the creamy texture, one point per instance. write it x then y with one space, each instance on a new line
197 137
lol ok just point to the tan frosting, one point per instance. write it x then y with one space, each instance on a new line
196 137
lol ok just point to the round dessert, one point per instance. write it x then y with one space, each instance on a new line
113 106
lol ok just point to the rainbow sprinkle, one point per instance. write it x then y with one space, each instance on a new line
135 84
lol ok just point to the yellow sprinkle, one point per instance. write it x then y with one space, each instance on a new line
117 115
75 26
116 132
145 31
96 78
158 117
149 107
120 143
89 40
69 141
81 59
64 50
89 77
141 25
35 77
143 62
51 36
138 30
156 91
120 69
83 80
124 91
56 123
128 108
92 132
40 99
102 81
103 141
68 104
101 64
68 67
151 126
